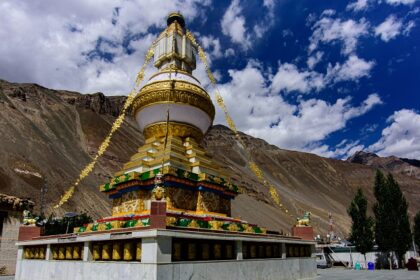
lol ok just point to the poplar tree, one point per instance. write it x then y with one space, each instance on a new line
417 230
362 226
392 226
402 222
385 230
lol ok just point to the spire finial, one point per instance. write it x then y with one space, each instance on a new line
176 16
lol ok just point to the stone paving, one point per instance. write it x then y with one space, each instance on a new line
346 274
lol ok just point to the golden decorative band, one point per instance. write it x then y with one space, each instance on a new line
174 128
161 92
175 85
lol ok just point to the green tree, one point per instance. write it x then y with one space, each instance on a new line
417 230
362 226
402 240
384 229
392 226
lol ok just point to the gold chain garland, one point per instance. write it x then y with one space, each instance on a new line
219 99
115 126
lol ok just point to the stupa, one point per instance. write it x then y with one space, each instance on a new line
171 203
174 112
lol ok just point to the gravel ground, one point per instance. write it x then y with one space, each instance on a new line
345 274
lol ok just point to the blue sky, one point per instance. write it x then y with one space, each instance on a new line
327 77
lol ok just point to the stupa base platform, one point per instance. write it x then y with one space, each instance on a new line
161 254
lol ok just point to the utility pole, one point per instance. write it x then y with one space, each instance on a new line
44 190
331 228
414 245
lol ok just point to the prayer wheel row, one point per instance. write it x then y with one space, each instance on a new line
34 253
261 250
298 251
67 252
117 251
203 251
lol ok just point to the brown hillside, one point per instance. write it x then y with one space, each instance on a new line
54 133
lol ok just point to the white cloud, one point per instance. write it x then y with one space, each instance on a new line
270 4
250 100
363 5
407 29
229 52
287 32
392 27
311 122
289 78
352 69
389 29
211 45
402 137
329 30
399 2
339 151
414 11
313 60
328 12
359 5
53 43
233 25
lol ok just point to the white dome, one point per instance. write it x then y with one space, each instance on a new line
181 113
187 102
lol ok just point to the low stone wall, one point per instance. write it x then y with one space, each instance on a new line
269 269
162 254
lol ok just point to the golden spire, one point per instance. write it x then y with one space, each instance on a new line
174 88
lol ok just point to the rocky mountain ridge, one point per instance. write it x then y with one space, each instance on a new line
403 166
54 133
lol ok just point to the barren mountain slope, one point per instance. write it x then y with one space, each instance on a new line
403 166
54 133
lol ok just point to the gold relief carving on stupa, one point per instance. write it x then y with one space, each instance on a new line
171 221
169 170
174 85
175 26
193 224
177 92
116 206
175 129
185 97
233 227
211 202
181 199
131 202
216 225
225 206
